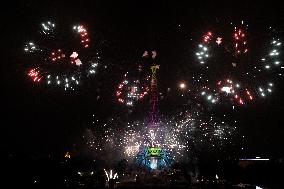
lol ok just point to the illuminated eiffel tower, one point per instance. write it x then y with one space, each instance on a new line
153 156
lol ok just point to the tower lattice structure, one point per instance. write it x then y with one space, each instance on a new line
154 96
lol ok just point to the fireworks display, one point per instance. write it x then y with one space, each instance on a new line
54 63
229 67
134 85
131 90
149 94
229 72
186 133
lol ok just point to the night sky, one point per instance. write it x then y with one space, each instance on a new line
38 120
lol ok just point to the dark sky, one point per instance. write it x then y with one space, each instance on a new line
37 120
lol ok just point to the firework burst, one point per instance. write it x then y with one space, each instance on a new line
54 63
229 72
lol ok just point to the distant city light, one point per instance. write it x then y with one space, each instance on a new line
255 159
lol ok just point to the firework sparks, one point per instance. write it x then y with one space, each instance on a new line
178 135
232 72
56 66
